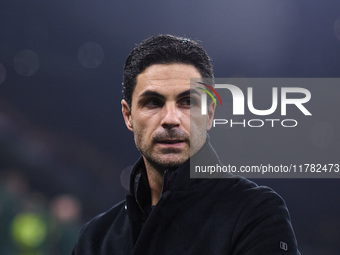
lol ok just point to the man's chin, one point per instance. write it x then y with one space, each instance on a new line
167 162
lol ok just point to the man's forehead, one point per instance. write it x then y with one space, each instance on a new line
163 87
172 70
160 82
168 79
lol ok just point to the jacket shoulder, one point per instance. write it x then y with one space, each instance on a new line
104 218
107 231
264 223
249 190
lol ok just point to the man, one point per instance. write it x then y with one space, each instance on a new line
166 211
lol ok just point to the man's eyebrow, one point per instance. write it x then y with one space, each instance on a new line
149 93
188 92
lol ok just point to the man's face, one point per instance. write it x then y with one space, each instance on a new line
165 115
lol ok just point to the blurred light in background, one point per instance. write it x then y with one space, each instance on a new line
66 209
29 230
26 63
91 54
125 177
31 223
337 28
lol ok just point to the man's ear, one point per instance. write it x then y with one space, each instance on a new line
127 115
211 112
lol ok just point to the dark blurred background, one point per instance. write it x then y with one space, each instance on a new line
65 154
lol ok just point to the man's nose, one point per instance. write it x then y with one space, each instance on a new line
170 116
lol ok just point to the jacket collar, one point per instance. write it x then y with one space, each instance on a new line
178 179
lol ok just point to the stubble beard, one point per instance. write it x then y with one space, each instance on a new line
162 163
162 159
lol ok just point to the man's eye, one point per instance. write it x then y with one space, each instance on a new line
188 101
153 102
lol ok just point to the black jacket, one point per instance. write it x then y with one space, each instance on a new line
230 216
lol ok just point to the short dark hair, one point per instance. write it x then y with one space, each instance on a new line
163 49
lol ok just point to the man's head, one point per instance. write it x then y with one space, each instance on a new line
159 106
163 49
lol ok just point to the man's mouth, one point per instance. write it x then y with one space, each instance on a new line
170 141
